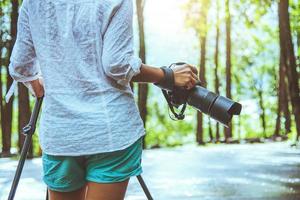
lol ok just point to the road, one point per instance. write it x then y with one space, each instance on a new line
230 172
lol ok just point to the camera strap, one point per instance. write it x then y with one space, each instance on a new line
178 116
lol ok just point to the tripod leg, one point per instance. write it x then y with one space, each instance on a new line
144 186
47 194
20 167
28 131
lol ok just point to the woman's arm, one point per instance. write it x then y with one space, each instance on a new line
23 65
37 87
184 75
148 74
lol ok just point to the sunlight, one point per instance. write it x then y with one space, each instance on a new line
167 34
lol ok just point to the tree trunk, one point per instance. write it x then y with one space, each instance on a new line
285 106
263 111
143 87
203 82
203 33
286 47
217 82
228 131
239 128
298 35
280 93
8 109
278 122
210 133
24 115
283 100
199 135
1 64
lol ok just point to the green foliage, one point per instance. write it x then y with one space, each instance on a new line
295 24
163 131
196 10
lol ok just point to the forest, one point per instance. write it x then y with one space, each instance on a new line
247 50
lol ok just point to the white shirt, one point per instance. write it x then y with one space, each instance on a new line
84 51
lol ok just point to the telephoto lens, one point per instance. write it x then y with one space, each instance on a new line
217 107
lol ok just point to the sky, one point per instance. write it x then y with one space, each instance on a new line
168 40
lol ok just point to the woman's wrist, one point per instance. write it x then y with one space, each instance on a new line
159 75
36 86
167 83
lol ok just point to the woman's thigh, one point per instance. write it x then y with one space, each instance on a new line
108 174
74 195
107 191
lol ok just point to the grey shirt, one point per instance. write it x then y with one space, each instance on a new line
83 49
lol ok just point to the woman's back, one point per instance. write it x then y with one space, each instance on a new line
68 41
85 53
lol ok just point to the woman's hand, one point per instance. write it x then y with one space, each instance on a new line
37 87
185 75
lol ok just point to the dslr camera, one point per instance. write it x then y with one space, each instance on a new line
217 107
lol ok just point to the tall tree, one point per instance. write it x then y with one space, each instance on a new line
298 35
287 50
283 100
1 64
259 90
24 115
197 19
228 131
216 59
295 15
210 131
8 109
285 106
202 37
143 87
298 32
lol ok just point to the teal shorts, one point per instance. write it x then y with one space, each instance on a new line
69 173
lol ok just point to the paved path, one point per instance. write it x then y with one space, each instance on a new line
229 172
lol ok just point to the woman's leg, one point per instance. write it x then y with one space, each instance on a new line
108 174
74 195
107 191
65 177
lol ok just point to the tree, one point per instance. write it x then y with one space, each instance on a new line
197 19
295 26
8 109
202 37
228 131
216 59
143 87
287 52
210 131
259 89
283 101
1 64
285 105
24 115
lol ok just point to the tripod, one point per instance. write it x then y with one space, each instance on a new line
28 131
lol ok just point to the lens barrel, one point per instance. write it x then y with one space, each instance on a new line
217 107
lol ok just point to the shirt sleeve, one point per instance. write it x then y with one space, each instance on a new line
23 65
118 59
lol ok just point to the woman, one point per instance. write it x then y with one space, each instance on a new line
90 128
